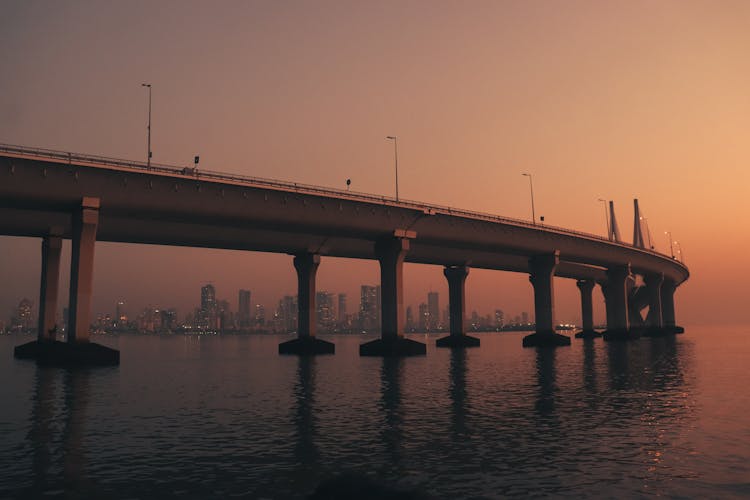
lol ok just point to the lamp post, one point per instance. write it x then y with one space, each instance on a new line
395 153
148 152
671 249
606 215
531 187
679 252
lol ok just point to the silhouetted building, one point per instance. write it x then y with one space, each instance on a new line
369 308
424 318
342 319
287 314
433 311
324 311
208 313
410 326
243 311
22 320
260 316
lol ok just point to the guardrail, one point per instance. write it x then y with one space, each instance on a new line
194 173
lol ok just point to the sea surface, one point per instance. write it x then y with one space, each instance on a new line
227 417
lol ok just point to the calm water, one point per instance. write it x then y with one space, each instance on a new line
224 417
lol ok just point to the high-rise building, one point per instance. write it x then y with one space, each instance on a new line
525 318
424 315
260 315
121 318
324 311
369 308
433 311
410 326
342 319
499 319
208 312
243 312
287 313
22 320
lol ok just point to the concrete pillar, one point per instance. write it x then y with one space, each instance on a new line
456 276
306 265
390 252
616 296
542 272
653 289
85 221
49 287
586 287
668 288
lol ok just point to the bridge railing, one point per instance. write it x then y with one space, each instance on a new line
195 173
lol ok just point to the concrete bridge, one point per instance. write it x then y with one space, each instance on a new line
54 195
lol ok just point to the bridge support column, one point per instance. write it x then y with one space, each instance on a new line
307 267
391 252
542 269
49 287
586 288
77 350
456 276
616 298
667 304
654 322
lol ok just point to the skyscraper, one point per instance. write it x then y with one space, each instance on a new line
243 311
433 310
342 309
324 311
208 317
369 308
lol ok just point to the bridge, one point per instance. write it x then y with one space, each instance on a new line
56 195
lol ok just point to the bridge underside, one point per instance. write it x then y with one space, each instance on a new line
112 228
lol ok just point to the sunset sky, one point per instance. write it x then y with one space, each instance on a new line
615 100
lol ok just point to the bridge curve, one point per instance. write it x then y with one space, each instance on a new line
169 205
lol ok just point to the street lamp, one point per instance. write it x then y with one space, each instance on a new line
531 186
606 215
679 251
395 153
671 249
148 152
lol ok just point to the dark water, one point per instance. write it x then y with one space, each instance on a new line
225 417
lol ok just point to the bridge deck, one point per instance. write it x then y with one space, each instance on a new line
171 205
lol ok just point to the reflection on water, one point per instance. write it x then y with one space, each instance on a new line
57 432
589 420
458 394
392 412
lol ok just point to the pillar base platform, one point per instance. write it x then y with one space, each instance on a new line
56 353
663 331
457 341
393 347
545 339
307 346
622 334
588 334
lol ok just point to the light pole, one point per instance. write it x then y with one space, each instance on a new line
671 249
648 233
395 153
148 152
606 215
679 251
531 186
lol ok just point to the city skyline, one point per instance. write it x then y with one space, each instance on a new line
217 314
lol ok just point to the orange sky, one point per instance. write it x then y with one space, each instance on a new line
623 100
